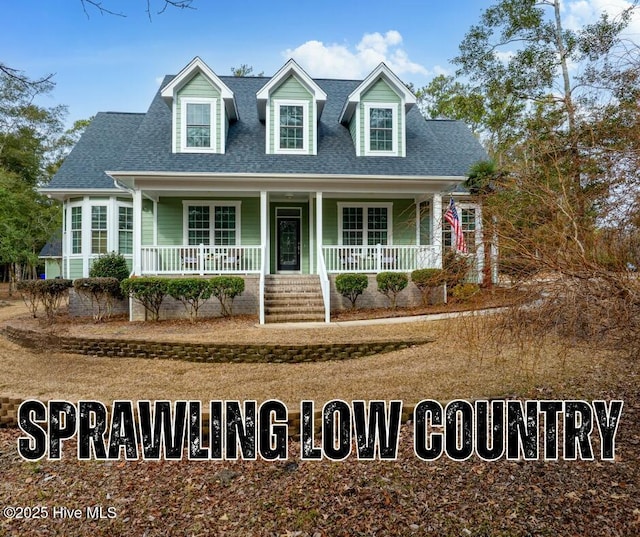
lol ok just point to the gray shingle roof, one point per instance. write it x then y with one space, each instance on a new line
142 142
100 148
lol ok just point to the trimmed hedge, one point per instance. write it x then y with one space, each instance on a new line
101 292
225 289
149 291
390 284
49 293
351 286
192 292
426 279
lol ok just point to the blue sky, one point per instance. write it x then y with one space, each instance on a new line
111 63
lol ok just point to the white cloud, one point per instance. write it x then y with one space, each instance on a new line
577 13
338 61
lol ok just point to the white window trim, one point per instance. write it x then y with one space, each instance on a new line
394 107
365 206
277 103
69 234
212 204
213 105
116 219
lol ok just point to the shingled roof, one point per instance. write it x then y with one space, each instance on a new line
100 148
142 142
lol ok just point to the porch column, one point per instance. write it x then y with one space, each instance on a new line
318 230
264 228
436 233
137 232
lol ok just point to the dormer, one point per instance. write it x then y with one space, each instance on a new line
375 114
202 108
290 105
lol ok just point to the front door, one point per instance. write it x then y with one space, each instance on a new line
288 253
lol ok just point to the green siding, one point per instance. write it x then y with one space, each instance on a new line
380 92
147 222
200 87
404 222
52 268
304 235
75 269
291 89
170 222
250 221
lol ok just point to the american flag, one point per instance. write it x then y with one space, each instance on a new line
451 216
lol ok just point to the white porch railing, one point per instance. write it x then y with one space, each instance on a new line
201 259
325 287
380 258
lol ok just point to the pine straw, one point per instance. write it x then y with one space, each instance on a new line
465 360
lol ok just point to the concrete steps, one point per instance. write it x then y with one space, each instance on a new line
293 298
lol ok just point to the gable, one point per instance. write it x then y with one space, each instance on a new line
198 88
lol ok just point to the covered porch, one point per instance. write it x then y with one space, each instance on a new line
199 225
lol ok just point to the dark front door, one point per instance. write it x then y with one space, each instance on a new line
288 243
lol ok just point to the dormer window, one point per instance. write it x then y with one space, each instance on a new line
292 135
290 104
375 114
381 131
202 108
199 132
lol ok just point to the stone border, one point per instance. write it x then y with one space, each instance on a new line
204 352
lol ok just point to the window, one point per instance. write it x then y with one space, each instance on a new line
213 223
125 230
467 222
364 225
199 224
224 226
76 230
291 127
99 229
198 123
352 226
381 129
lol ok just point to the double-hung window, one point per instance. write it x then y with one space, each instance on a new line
291 126
198 125
213 223
98 229
125 230
365 225
381 129
76 230
467 217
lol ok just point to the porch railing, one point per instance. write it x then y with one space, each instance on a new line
380 258
201 259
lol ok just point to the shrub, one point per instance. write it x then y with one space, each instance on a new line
112 265
464 291
192 292
30 292
225 289
456 268
390 284
426 280
101 292
351 286
150 292
51 294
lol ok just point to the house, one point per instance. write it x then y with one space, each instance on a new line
265 177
